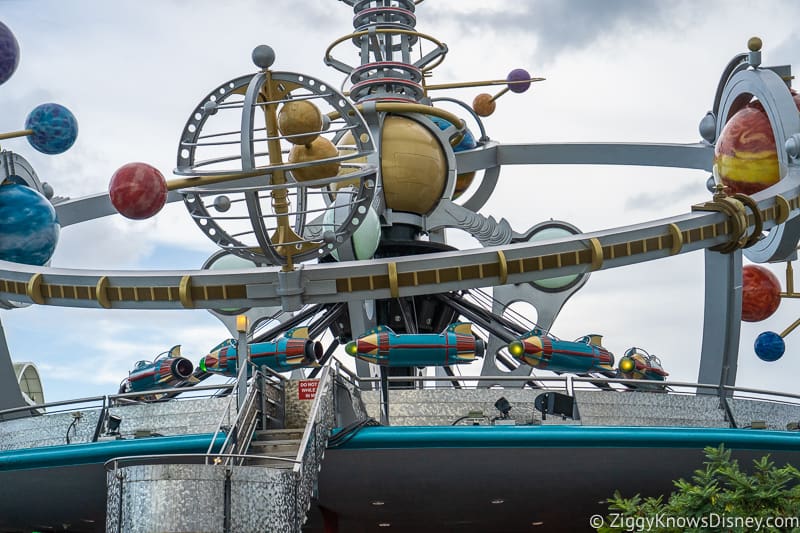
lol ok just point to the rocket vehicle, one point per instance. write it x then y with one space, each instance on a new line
541 350
382 346
638 364
166 371
292 350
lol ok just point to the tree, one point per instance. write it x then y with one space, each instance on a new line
720 497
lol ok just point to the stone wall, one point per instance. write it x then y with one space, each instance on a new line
437 407
175 417
299 399
191 498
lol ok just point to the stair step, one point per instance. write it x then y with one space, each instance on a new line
275 442
278 434
270 463
270 448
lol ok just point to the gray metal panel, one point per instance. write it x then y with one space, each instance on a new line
693 156
722 319
10 395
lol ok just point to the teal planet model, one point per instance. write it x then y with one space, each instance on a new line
29 227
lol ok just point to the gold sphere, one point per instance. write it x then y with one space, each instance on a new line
754 44
484 105
320 148
346 146
413 166
463 181
298 117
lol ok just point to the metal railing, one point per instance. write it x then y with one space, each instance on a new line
252 412
321 420
571 382
113 465
109 400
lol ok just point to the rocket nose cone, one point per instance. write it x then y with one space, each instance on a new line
209 361
533 345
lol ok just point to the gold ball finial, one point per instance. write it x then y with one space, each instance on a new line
754 44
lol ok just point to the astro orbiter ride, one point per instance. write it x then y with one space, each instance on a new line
333 204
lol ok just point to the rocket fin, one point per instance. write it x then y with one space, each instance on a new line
377 329
223 344
464 328
175 351
297 333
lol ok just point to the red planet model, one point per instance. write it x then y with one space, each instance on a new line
138 190
761 293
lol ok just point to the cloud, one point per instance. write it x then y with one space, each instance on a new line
556 26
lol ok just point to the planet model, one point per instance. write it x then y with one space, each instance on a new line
29 228
138 190
9 53
467 142
761 293
745 158
319 149
54 128
518 80
413 166
484 104
300 121
769 346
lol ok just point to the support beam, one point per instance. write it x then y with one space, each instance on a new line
722 323
10 394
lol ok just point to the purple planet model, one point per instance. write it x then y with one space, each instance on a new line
9 53
518 75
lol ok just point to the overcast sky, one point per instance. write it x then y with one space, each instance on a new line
131 72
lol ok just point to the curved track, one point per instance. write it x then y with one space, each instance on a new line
515 263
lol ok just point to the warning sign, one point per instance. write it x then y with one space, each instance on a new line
307 389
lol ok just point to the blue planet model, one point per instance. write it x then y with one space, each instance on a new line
29 227
467 141
769 346
54 128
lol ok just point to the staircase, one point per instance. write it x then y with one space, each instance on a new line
277 443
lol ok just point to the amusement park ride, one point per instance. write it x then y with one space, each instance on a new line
329 204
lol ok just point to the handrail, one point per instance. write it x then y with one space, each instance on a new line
146 458
315 410
315 438
170 391
225 414
111 398
582 379
354 377
243 413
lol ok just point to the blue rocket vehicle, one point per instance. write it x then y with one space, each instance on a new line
292 350
166 371
544 351
382 346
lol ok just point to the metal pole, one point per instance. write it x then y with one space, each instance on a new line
384 396
241 383
242 358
